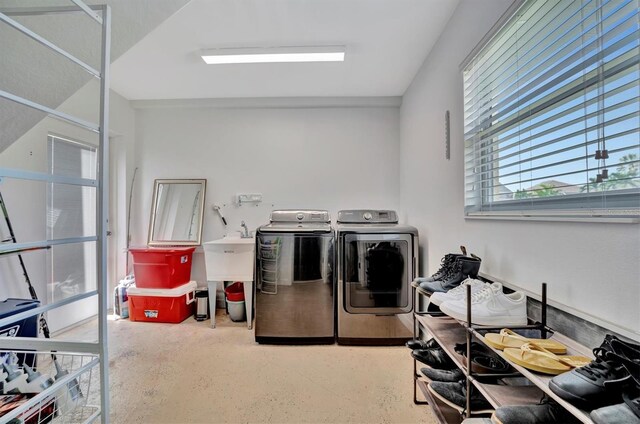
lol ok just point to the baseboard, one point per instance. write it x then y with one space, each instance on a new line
75 325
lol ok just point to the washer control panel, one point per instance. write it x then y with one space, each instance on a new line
364 216
298 215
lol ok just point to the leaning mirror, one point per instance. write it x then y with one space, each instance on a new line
176 213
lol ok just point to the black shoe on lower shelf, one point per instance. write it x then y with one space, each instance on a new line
435 358
443 375
483 360
600 383
547 412
455 395
422 344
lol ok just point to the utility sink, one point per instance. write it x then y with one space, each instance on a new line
230 259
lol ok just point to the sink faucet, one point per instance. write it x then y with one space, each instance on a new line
245 233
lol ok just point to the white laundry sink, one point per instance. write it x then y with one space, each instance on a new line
230 259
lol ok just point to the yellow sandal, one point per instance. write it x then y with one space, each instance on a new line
536 358
510 339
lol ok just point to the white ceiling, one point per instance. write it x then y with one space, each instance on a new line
34 72
386 40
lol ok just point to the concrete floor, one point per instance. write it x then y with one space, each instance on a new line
191 373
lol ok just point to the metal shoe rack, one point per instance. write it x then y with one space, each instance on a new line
448 331
76 392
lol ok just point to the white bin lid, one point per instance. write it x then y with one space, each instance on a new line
175 292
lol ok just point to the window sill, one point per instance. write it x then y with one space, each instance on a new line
555 218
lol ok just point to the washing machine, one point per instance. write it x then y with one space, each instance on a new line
295 282
377 259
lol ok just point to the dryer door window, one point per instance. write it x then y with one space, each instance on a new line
377 273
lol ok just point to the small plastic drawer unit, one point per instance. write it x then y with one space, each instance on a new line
157 268
162 305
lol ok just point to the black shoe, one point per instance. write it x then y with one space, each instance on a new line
483 360
547 411
455 395
435 358
627 412
597 384
628 354
450 376
464 267
422 344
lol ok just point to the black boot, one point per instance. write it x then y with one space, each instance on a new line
463 268
445 265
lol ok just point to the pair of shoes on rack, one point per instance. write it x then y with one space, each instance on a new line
547 411
536 358
422 344
454 268
434 357
445 263
454 394
507 339
458 293
461 268
614 371
489 306
450 376
483 359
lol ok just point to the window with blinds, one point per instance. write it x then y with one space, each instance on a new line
552 113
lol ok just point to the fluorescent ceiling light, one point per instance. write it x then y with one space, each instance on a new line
274 55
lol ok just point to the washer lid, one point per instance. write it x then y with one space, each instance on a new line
296 227
367 216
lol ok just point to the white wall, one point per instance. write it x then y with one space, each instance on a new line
592 267
326 158
26 201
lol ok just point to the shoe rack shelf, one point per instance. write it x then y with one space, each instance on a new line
541 380
448 331
443 412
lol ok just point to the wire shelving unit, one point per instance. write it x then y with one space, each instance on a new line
72 375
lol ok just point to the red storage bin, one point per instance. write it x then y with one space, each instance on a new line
162 305
158 268
235 292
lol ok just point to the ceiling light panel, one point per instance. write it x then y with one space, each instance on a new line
273 55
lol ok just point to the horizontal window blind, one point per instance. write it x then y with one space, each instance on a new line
552 112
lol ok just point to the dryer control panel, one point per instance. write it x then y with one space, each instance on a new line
366 216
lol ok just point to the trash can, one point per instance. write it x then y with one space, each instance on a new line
236 310
235 301
202 305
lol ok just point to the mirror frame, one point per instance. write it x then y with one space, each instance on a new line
154 204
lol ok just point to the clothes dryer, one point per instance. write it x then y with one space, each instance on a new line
377 259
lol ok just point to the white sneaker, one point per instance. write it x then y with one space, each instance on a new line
490 306
458 293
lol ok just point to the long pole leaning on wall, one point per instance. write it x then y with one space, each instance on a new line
103 211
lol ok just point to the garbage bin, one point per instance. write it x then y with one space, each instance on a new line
235 301
202 305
